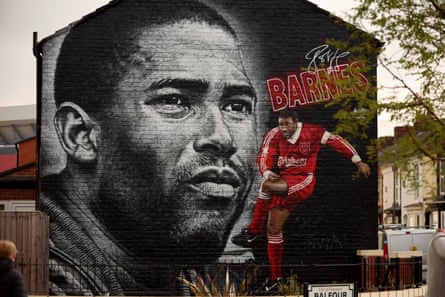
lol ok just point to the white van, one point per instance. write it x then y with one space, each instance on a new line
392 241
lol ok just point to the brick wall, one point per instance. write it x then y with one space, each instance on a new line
17 194
275 38
341 216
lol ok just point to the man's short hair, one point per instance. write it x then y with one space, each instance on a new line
7 249
288 113
95 53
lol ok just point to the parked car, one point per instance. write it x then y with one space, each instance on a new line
401 240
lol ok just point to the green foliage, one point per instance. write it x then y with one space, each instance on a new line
357 111
222 285
210 286
417 29
292 287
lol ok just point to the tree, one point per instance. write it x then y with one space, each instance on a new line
417 27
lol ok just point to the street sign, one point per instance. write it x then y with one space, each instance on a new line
330 290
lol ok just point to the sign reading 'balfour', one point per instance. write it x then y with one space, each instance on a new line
330 290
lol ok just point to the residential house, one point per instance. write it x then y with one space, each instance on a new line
411 193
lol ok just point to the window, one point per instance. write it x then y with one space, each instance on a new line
416 180
18 205
442 219
396 185
442 177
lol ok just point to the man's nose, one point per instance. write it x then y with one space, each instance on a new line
216 135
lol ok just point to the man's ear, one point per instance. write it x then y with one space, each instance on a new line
77 132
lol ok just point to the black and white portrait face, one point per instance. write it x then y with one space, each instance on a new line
177 143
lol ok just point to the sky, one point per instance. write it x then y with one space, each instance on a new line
20 18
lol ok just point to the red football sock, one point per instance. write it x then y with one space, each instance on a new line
260 213
275 247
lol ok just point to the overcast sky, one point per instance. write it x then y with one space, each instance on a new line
20 18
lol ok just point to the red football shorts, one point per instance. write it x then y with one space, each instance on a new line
300 188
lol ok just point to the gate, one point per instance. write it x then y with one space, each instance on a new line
29 231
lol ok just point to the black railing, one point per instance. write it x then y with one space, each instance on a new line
370 273
378 273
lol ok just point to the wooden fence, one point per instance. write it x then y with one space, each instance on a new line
29 231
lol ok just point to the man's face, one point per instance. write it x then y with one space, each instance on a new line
287 126
178 142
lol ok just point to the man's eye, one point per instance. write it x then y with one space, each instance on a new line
174 100
172 105
238 108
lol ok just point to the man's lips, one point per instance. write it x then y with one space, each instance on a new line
285 134
221 182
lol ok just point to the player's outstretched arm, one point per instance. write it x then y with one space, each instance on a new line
364 169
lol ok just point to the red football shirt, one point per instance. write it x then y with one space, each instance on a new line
298 154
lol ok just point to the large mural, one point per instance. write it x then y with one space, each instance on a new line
152 158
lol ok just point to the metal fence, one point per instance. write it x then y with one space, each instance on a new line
240 279
379 273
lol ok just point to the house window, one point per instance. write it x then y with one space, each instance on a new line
442 219
396 185
442 177
416 180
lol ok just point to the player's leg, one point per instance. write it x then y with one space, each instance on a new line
248 235
275 241
300 188
268 188
261 211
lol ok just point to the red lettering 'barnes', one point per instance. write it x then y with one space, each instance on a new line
312 87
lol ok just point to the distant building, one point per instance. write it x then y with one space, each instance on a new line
18 158
413 195
17 123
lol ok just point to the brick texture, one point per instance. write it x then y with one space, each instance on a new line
341 216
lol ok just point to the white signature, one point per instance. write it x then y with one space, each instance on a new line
325 55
